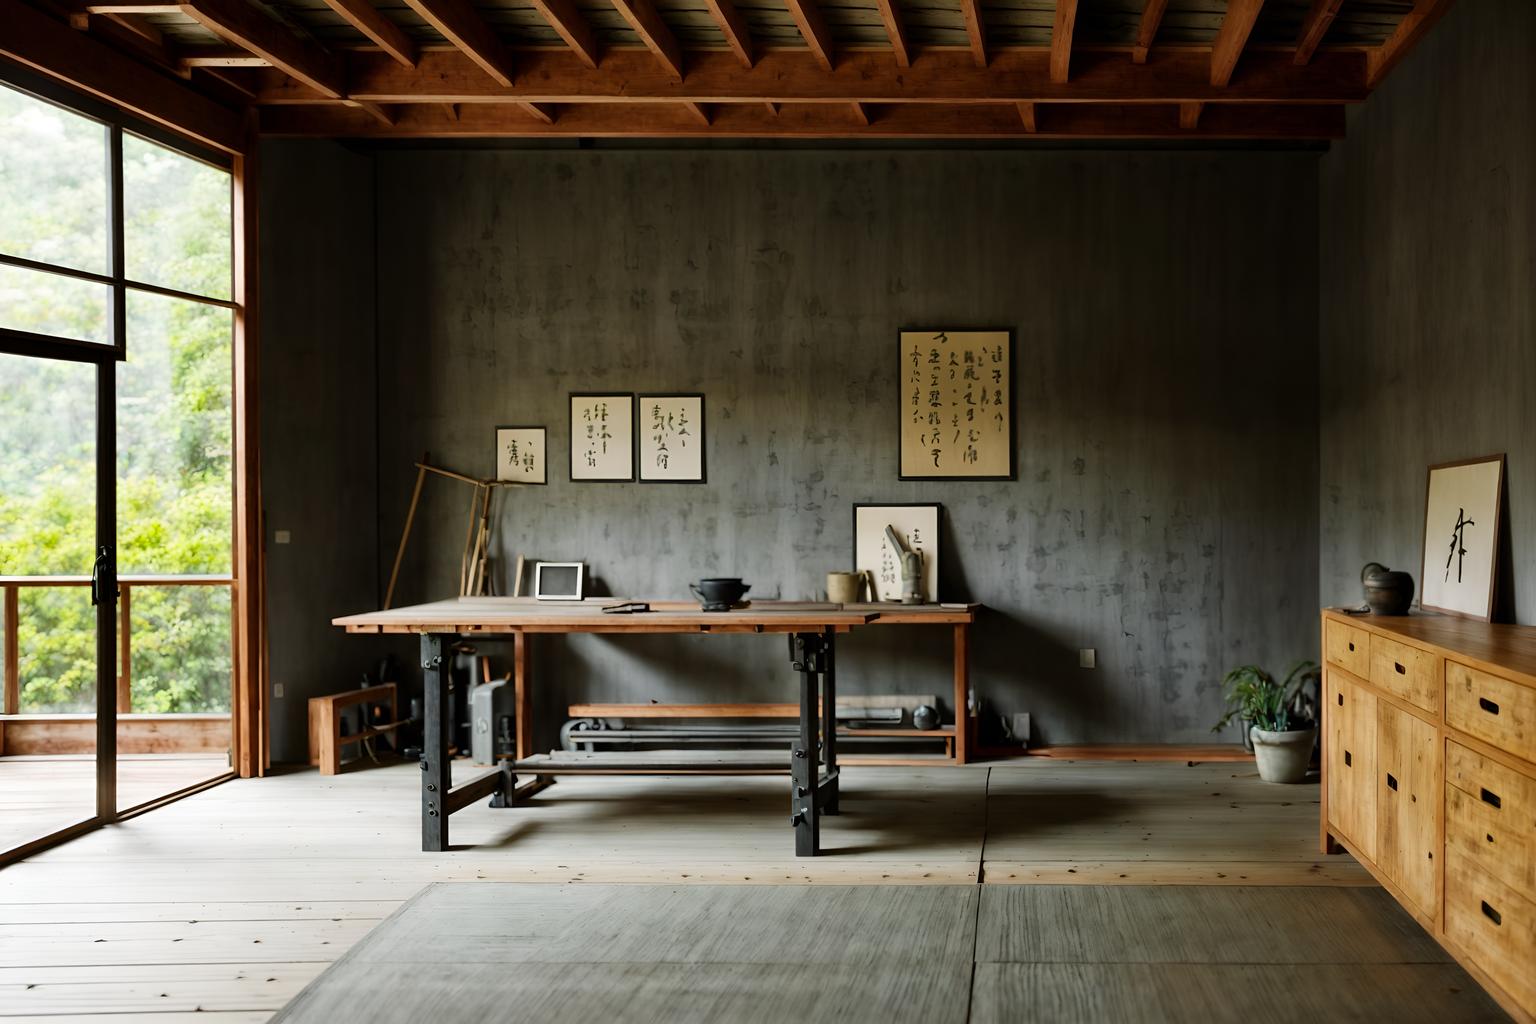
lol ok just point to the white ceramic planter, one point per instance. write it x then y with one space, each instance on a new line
1283 756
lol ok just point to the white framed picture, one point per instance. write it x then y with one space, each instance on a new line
916 526
520 455
1461 536
672 439
602 437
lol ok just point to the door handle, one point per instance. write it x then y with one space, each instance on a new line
101 570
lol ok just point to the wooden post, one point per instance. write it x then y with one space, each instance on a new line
520 694
125 656
12 655
962 691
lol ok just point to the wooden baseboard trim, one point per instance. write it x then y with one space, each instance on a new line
1219 752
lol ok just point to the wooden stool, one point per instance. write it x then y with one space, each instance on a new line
325 738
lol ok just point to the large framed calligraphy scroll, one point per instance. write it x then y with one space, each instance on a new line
956 405
602 437
1461 537
672 439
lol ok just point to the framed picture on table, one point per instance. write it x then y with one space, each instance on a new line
1461 537
603 437
916 526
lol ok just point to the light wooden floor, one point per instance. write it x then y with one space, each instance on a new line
40 795
230 901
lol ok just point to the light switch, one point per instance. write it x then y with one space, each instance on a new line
282 537
1087 657
277 690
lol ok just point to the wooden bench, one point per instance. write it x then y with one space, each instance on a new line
325 720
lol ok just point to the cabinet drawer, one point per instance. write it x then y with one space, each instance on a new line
1406 672
1494 925
1347 647
1492 709
1490 817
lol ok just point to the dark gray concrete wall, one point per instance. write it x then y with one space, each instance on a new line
1164 306
1428 214
318 422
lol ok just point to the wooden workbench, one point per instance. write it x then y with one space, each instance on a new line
811 630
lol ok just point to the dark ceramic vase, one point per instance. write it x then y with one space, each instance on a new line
1387 591
719 594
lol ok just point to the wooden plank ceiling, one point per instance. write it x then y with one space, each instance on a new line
940 69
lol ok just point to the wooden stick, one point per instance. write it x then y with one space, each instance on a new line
469 536
450 474
405 534
517 582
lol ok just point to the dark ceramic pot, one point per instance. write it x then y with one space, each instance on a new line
1387 591
720 593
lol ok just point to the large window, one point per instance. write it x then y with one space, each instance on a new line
111 239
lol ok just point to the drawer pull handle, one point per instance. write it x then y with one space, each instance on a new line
1488 836
1348 759
1391 782
1351 645
1341 700
1399 666
1492 799
1488 705
1491 914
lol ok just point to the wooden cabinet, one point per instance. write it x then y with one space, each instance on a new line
1429 779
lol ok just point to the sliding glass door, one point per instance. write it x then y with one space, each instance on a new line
116 381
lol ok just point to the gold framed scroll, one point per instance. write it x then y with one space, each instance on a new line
956 405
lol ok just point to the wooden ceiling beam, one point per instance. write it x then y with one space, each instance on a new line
1314 27
1189 115
569 24
1027 115
654 33
545 112
129 8
790 76
1061 39
1146 29
738 35
368 20
818 120
975 30
896 32
221 57
1409 31
458 22
1231 38
244 26
813 29
57 51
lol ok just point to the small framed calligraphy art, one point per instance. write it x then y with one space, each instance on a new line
671 439
956 405
1461 537
602 437
520 455
917 527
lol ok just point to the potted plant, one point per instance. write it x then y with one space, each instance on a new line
1281 720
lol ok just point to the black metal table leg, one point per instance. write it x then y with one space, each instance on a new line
828 801
436 769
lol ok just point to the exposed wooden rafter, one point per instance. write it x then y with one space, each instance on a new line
814 120
53 48
380 113
1189 115
545 112
458 23
389 37
790 76
975 30
1231 38
244 26
738 35
896 32
1146 29
568 23
1027 115
813 29
861 113
1061 39
221 57
653 32
1409 31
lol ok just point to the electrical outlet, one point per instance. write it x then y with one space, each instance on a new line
282 537
277 690
1087 657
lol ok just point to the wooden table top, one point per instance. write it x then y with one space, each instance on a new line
1496 647
527 615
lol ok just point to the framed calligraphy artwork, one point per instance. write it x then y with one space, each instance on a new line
520 455
671 439
956 405
916 526
602 437
1461 537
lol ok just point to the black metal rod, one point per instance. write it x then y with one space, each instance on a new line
829 718
436 773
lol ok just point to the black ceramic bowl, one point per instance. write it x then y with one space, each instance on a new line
1387 591
719 593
